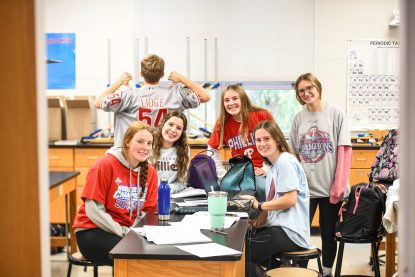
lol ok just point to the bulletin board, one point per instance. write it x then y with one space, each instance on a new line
60 60
373 83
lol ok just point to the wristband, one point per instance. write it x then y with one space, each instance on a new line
260 206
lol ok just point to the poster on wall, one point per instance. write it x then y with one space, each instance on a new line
60 60
373 84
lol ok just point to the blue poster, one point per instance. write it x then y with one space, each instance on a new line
60 60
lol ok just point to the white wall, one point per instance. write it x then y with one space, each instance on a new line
337 22
257 40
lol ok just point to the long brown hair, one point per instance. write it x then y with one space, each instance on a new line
276 134
128 136
245 109
180 145
310 77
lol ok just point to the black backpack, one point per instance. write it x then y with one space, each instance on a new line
361 215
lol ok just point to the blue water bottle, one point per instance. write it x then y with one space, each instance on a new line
163 204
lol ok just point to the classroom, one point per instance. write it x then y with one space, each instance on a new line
327 81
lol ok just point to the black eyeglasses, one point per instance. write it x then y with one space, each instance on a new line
303 90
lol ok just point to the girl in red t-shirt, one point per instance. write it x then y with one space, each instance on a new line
118 187
235 129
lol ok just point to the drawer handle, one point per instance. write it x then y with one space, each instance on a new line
361 159
92 158
54 157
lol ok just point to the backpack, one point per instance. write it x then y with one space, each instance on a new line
193 179
241 175
361 215
385 166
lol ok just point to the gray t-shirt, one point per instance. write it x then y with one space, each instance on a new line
147 104
288 175
315 137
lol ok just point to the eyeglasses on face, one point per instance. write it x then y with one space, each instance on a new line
303 90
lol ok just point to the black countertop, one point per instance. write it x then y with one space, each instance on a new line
134 246
58 177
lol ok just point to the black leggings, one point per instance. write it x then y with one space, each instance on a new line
327 221
95 245
264 244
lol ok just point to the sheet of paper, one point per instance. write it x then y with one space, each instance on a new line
175 234
208 250
201 220
138 230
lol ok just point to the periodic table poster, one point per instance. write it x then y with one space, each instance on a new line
373 83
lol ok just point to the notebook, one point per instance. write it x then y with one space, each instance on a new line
209 182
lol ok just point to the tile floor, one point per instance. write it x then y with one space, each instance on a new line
356 258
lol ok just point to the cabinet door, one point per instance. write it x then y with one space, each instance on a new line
363 158
60 159
358 175
194 152
85 157
315 222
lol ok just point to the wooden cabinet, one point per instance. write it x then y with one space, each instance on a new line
361 163
84 159
71 159
60 159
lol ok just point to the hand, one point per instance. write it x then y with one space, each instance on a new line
252 199
334 199
125 78
175 77
260 172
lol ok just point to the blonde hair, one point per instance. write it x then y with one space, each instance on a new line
128 136
310 77
152 68
245 109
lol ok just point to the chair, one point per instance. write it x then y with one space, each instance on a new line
293 272
75 258
302 255
375 242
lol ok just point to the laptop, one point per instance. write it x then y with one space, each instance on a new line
207 178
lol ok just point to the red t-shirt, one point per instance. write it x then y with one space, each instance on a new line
233 139
108 182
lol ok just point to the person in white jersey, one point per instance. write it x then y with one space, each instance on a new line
321 139
150 102
283 222
171 151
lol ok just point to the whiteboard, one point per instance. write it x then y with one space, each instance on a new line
373 83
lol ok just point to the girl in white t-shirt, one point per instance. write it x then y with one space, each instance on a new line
170 150
282 224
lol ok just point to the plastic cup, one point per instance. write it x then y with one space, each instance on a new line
217 204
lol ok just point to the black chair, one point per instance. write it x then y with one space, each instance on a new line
302 255
75 258
375 242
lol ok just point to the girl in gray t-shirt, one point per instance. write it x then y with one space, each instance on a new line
321 139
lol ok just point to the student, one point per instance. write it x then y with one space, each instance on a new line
171 152
118 186
234 128
283 223
321 139
150 102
